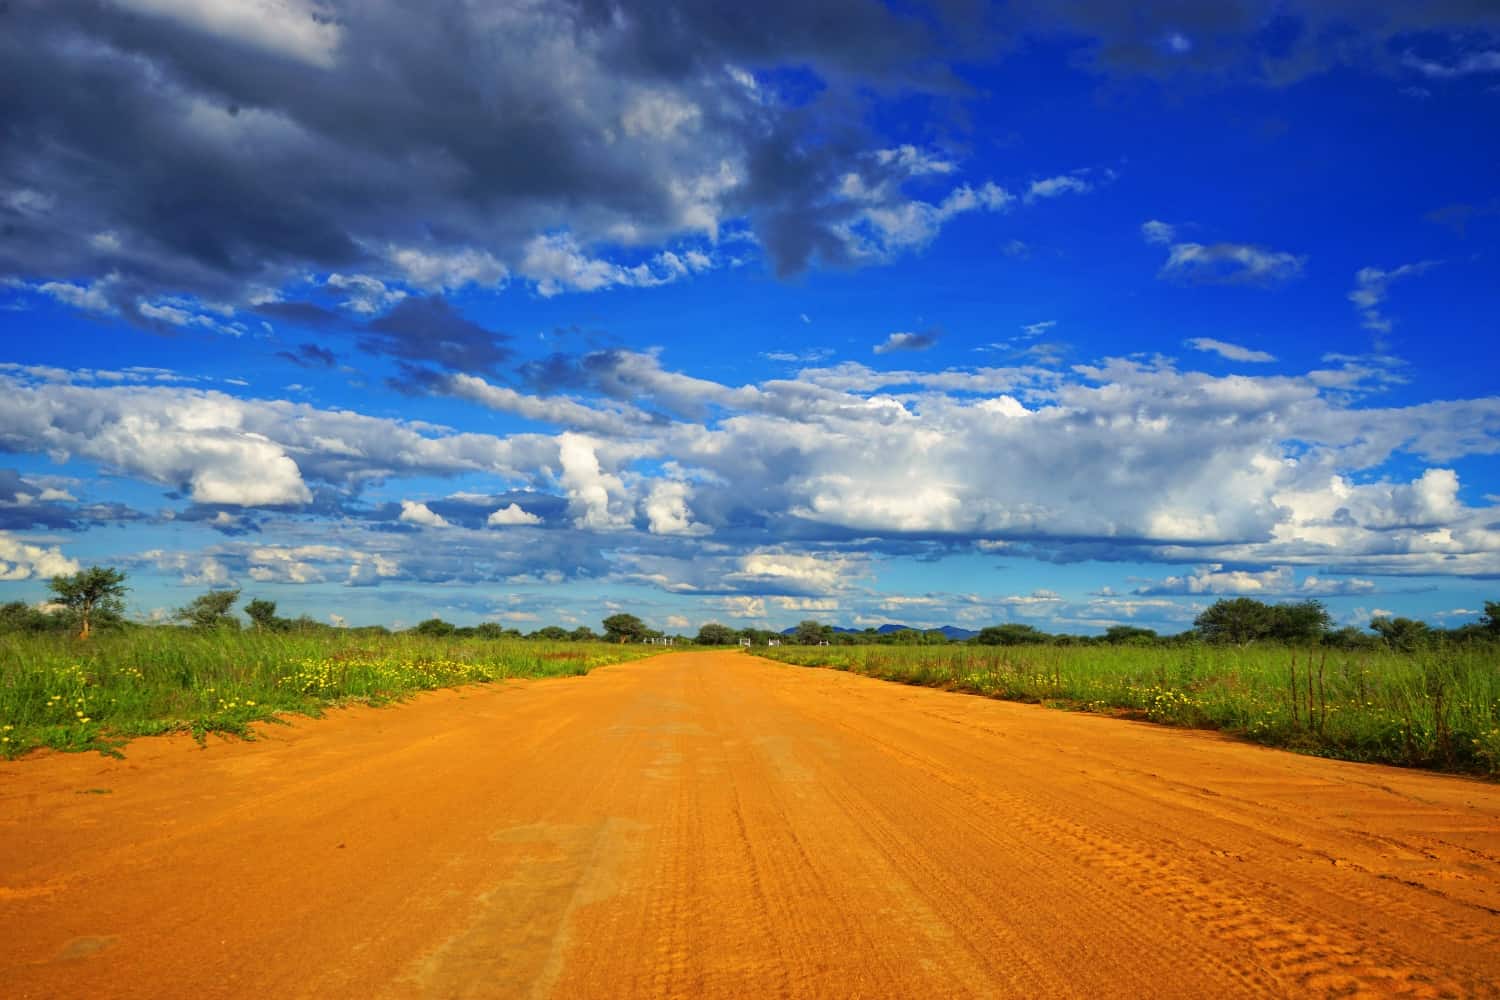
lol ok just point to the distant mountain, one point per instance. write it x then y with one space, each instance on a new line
951 631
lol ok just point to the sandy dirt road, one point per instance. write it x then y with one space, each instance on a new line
713 825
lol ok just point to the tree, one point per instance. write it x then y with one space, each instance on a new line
582 634
18 616
714 634
1490 620
810 633
1132 635
1302 622
624 628
211 610
552 633
1010 634
435 627
1240 621
263 615
1404 634
1350 637
95 592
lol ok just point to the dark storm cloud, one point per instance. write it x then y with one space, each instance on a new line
168 147
310 356
28 505
428 329
181 151
1274 41
563 372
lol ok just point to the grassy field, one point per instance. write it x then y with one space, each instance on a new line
60 692
1438 708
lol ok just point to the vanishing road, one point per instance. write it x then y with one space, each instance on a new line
713 825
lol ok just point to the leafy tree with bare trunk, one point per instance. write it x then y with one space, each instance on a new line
625 628
263 614
211 610
93 592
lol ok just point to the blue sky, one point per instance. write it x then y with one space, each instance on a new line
962 314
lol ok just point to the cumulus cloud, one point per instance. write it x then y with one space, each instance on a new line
667 511
221 449
743 607
1233 352
413 512
20 560
1280 581
791 485
597 499
511 514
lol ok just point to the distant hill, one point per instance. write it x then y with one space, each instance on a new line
951 631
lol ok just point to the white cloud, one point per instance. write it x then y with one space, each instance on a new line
806 603
90 298
1371 286
413 512
915 162
244 452
743 607
366 295
511 515
1280 581
772 570
597 499
667 511
557 263
1483 61
558 410
194 569
21 560
886 221
906 342
1158 232
1124 459
1230 264
1052 187
1234 352
436 270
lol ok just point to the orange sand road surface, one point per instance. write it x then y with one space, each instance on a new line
713 825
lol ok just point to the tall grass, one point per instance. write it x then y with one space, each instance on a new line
1437 708
60 692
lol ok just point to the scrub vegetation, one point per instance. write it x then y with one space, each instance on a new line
62 691
1433 705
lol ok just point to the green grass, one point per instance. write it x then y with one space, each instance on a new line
68 694
1437 708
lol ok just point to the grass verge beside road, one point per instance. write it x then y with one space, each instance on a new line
67 694
1437 708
